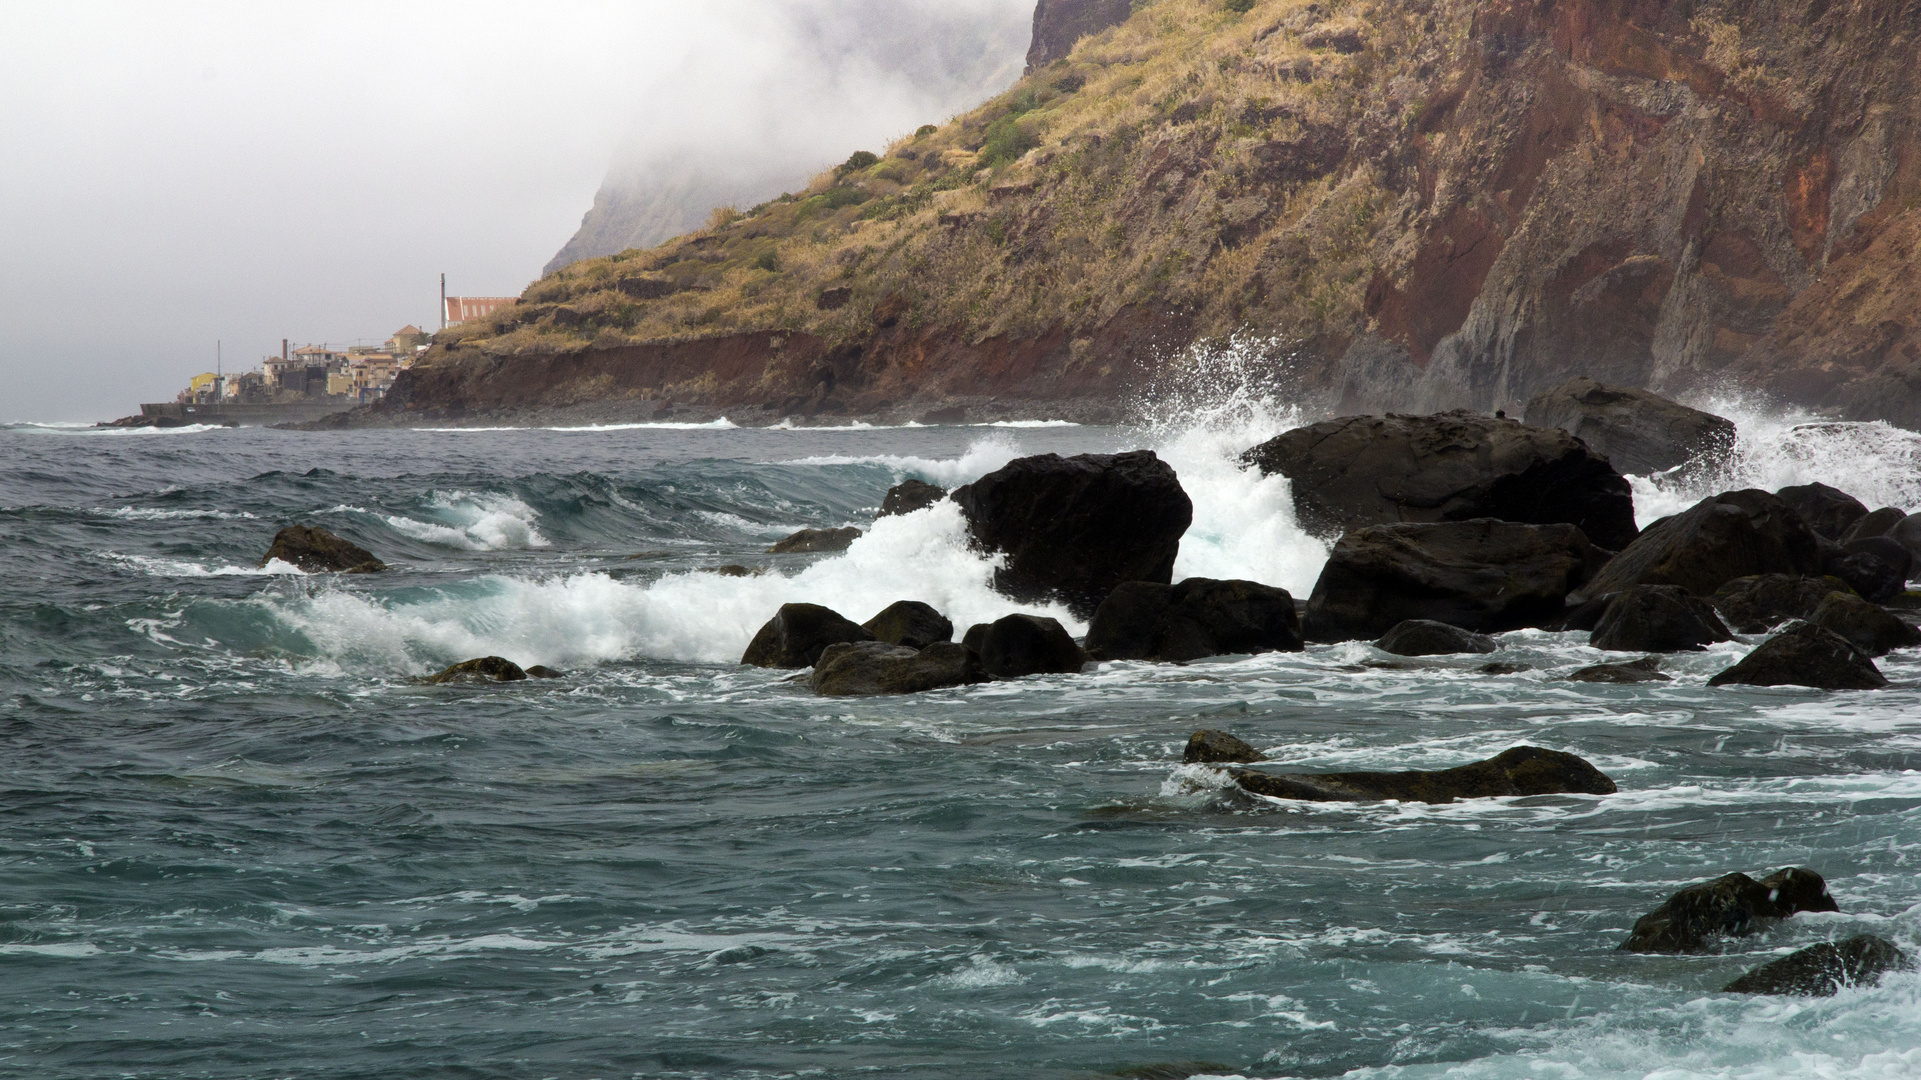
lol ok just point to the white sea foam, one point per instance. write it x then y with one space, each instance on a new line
982 457
142 513
162 567
722 424
476 521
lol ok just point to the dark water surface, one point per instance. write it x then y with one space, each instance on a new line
240 840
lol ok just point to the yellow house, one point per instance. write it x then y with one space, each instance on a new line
202 381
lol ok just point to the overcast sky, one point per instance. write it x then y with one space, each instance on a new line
176 174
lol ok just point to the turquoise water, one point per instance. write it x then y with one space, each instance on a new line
238 840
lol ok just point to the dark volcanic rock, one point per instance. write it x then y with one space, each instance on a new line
1199 617
542 671
910 623
1761 602
1209 746
909 496
811 540
1877 523
1822 970
318 551
868 668
796 635
1868 627
1638 432
1074 528
1501 667
1830 512
1523 770
1734 534
1658 618
1804 655
1020 645
1875 566
1731 905
1646 669
1058 24
1371 470
485 669
1907 533
1484 575
1425 637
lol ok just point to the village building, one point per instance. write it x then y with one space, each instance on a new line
460 309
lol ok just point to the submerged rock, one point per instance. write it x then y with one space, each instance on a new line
1018 645
909 496
868 668
1758 603
796 635
542 671
1142 620
485 669
1484 575
1805 655
1830 512
1358 471
1425 637
1208 746
317 551
1658 618
1638 432
813 540
1731 535
910 623
1502 667
1523 770
1823 970
1733 905
1074 528
1646 669
1868 627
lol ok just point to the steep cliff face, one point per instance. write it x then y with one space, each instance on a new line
1414 204
1060 24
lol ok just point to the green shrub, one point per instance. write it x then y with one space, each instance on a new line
858 160
1240 7
769 261
924 131
838 197
1006 141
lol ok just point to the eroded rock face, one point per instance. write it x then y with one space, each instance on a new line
798 633
1731 535
1425 637
909 496
1018 645
1058 24
1830 512
1197 618
1805 655
485 669
1638 432
1658 618
1868 627
871 668
1760 602
1371 470
813 540
318 551
1485 576
1823 970
910 623
1207 746
1524 770
1074 528
1733 905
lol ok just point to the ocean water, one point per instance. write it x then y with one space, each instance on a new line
238 839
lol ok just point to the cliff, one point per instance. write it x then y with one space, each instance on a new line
1413 204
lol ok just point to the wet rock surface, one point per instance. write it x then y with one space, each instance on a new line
484 669
1805 655
1425 637
1658 618
910 623
909 496
1638 432
1758 603
1732 905
1876 523
1829 511
1197 618
797 634
1073 528
871 668
813 540
1208 746
1358 471
1825 969
1870 628
1018 645
317 551
1486 576
1523 770
1646 669
1727 536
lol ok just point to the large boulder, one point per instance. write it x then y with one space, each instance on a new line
1646 669
1907 533
317 551
1830 512
868 668
1372 470
808 541
1018 645
797 634
1733 905
1523 770
1718 539
485 669
1877 523
1074 528
1484 575
1658 618
1822 970
1874 566
909 496
1637 432
1208 746
1142 620
1425 637
1868 627
1760 602
910 623
1805 655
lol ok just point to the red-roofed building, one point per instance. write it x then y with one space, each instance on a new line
460 309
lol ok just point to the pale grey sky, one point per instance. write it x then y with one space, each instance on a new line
172 174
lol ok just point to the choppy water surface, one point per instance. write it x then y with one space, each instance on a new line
240 841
